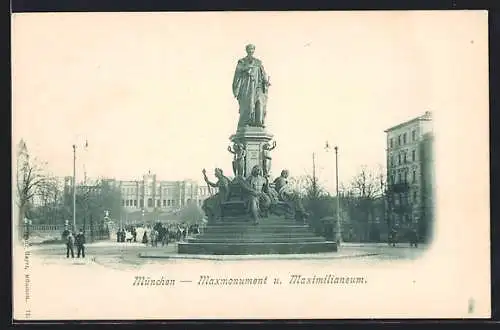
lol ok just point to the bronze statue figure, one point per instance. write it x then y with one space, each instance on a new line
212 205
250 88
239 152
253 188
286 194
266 157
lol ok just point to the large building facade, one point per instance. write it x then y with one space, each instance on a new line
150 194
410 174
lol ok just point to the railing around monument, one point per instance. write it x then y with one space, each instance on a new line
92 233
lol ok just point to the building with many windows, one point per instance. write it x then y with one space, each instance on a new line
410 174
150 194
149 199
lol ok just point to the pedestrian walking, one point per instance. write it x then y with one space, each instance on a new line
80 244
145 238
134 234
70 241
413 237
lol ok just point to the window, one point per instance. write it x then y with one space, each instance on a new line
414 176
150 202
168 202
404 138
404 158
141 202
391 142
123 202
127 203
135 202
405 176
399 140
399 159
413 155
158 204
414 196
413 135
399 177
164 202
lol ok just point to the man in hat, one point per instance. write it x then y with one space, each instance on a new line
70 241
80 244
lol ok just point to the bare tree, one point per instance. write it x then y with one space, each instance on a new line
93 201
367 184
301 185
361 199
48 194
29 176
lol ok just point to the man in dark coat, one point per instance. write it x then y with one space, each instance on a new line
70 240
134 234
80 244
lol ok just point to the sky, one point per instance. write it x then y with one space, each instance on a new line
152 91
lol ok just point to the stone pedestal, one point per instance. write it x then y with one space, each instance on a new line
274 235
254 138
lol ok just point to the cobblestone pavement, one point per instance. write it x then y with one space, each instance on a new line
127 255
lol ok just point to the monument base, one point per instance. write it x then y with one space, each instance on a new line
254 138
273 235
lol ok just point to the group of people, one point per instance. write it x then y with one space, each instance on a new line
73 240
157 234
128 234
411 234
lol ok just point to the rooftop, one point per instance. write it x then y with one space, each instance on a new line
425 117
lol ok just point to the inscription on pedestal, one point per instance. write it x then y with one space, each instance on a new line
253 156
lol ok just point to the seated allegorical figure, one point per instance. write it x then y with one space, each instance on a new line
287 195
212 205
257 200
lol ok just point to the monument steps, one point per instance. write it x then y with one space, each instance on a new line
258 229
269 239
264 222
256 248
273 235
258 235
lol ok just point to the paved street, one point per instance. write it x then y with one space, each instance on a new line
120 255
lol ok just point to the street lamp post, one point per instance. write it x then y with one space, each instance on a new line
338 231
339 227
74 187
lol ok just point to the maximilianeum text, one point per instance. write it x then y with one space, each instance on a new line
213 281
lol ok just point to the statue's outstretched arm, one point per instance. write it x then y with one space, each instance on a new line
211 184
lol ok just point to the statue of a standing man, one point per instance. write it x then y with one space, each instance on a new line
250 87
